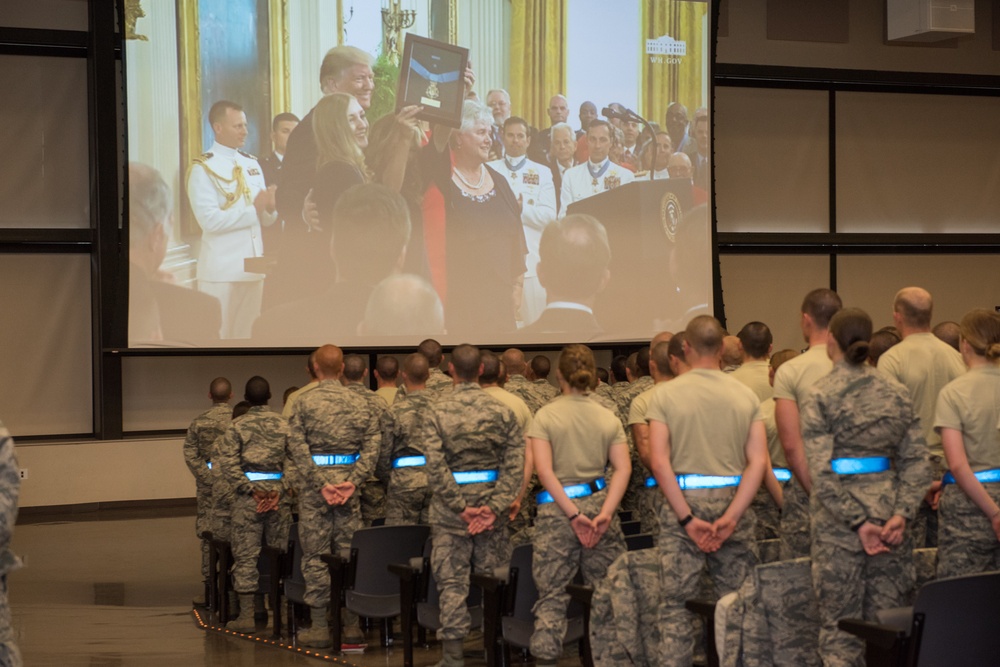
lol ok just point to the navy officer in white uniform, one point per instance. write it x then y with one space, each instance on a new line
533 185
230 201
599 174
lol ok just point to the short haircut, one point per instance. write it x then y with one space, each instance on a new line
704 335
354 367
676 346
597 122
756 339
387 367
516 120
781 356
149 201
642 362
403 304
503 92
288 392
241 409
491 367
220 389
329 360
949 332
432 351
218 111
880 342
466 360
915 306
541 366
602 374
574 254
474 112
416 368
339 59
660 357
371 228
632 364
563 126
821 305
513 358
258 391
618 367
284 117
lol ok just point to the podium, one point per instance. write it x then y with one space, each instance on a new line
659 245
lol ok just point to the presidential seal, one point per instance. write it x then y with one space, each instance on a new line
670 215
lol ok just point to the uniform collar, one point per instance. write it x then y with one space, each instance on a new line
224 151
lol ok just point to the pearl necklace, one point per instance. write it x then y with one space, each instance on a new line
471 186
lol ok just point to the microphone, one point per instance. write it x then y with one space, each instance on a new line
625 114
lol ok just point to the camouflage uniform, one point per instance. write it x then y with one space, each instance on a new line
624 617
330 420
636 495
855 412
438 382
408 494
967 543
373 490
464 430
201 436
605 390
545 390
10 484
257 443
526 391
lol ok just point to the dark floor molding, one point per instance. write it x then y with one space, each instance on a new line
109 511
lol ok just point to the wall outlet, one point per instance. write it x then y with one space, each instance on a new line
24 473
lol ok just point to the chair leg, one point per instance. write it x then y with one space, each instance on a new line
386 632
211 589
336 600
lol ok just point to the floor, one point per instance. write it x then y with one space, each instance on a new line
106 591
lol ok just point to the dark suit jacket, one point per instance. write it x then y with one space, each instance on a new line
298 171
185 316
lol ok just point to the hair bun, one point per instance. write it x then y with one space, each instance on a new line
857 352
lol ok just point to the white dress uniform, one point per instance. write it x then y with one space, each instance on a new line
532 182
222 185
587 179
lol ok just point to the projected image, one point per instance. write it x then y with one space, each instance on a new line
281 196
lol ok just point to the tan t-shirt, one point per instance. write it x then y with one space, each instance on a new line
581 432
755 374
286 412
774 447
709 416
796 375
640 404
387 394
924 365
521 410
971 404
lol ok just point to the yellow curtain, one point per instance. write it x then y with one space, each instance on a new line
667 78
538 57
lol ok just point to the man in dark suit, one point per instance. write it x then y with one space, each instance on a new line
281 128
558 113
573 269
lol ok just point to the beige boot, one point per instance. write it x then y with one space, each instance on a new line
452 654
318 635
244 622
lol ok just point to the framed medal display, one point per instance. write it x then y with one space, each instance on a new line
431 74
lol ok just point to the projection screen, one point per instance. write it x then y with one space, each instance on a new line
276 198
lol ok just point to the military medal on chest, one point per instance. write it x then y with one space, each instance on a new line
597 172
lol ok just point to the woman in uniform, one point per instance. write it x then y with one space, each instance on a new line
870 469
967 417
573 440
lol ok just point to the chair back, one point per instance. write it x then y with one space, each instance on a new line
517 622
373 591
960 618
295 582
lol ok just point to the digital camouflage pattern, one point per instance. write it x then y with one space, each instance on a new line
201 435
438 382
624 615
966 541
521 387
854 412
10 486
793 528
407 492
258 442
330 419
546 390
373 496
557 557
467 429
635 494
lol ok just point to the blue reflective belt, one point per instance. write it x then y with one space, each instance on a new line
689 482
409 462
475 476
261 476
209 464
783 474
335 459
985 476
651 482
575 490
862 466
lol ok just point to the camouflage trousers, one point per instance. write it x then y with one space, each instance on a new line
966 541
455 555
203 522
522 528
373 501
558 555
650 500
10 656
324 529
408 497
222 511
794 529
682 565
851 584
925 526
250 530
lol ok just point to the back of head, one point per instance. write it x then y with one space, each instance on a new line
432 351
328 361
491 368
756 339
513 359
949 332
541 367
602 375
662 337
821 305
354 367
574 255
241 409
660 357
288 392
852 329
981 330
416 368
466 360
371 228
311 364
336 61
632 365
403 304
915 306
881 341
731 353
618 365
577 367
258 391
704 335
149 201
387 367
221 390
675 348
781 356
642 362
